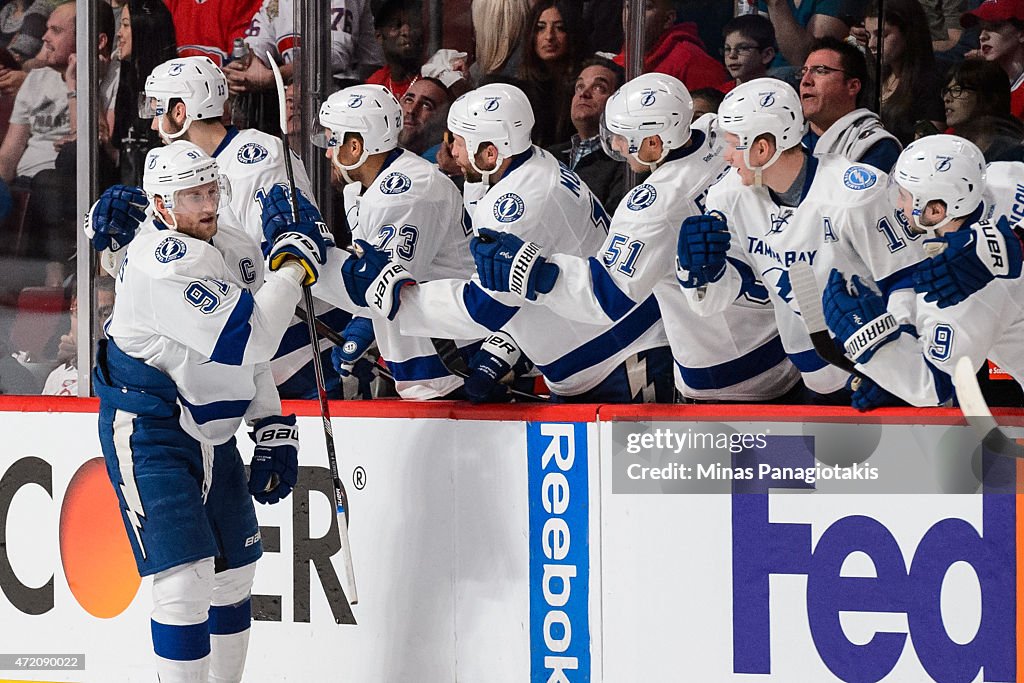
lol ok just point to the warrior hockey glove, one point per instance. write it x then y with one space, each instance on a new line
304 242
972 259
358 336
507 264
858 317
275 460
868 395
277 214
488 366
115 217
703 244
373 280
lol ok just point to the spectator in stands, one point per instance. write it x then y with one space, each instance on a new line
424 116
674 49
797 25
832 85
598 79
210 27
706 101
998 137
1002 42
132 137
28 23
910 86
748 49
944 22
40 117
550 63
63 380
974 88
355 52
499 28
400 34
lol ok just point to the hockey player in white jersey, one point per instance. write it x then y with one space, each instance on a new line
185 98
185 361
527 193
784 206
940 181
401 204
735 355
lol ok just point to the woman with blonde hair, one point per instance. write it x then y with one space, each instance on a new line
499 27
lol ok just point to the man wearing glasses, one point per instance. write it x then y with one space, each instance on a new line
831 84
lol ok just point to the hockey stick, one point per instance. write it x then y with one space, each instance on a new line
808 297
339 341
340 495
977 413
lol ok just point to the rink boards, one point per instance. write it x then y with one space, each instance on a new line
512 544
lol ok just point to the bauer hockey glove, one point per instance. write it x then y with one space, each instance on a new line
374 281
857 316
489 366
868 395
275 460
304 242
358 336
506 263
115 217
277 214
972 258
701 249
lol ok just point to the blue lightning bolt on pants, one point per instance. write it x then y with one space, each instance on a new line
180 501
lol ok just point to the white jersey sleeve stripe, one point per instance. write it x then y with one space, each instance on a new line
738 370
484 309
614 302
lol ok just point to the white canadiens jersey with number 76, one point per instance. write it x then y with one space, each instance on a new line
845 220
204 315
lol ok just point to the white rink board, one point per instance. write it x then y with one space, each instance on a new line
445 536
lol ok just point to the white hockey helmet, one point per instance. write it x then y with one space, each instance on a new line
179 166
497 113
944 168
650 104
196 81
759 107
369 110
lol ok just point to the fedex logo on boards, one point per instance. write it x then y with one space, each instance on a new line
907 581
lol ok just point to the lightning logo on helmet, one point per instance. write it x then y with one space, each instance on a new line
175 69
355 101
509 208
767 98
943 163
647 98
491 103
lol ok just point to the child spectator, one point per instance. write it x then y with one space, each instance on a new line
706 101
748 49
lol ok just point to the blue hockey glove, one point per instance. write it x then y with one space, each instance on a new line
304 242
859 318
275 460
506 263
972 258
277 213
115 217
373 280
701 249
489 366
868 395
358 336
